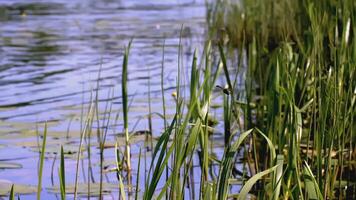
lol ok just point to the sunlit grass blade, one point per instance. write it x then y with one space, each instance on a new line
40 170
122 188
249 184
160 164
12 193
87 125
277 182
311 184
138 176
118 172
226 165
62 176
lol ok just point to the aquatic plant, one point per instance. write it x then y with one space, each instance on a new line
299 88
288 111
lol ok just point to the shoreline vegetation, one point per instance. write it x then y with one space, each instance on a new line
288 112
299 89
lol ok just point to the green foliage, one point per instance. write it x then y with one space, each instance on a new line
289 125
40 170
299 87
61 174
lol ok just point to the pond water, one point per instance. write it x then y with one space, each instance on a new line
51 53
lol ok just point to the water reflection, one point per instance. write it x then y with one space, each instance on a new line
58 45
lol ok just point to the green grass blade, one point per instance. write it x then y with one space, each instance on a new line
278 177
311 184
223 59
12 193
270 145
122 188
138 175
118 172
88 121
62 178
39 186
227 164
125 108
124 84
249 184
161 162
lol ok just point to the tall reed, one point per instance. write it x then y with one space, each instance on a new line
299 87
125 107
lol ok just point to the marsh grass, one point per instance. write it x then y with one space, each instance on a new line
290 125
125 109
41 163
61 174
299 87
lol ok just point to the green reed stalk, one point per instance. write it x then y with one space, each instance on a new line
12 193
138 175
86 128
99 138
118 172
40 170
299 79
62 179
125 108
164 101
178 139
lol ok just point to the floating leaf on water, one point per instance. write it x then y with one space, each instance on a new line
18 125
63 134
9 165
69 150
5 187
83 189
34 143
8 108
16 135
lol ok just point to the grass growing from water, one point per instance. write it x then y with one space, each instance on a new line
299 88
288 110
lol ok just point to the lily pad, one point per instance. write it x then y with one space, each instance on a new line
5 187
83 189
9 165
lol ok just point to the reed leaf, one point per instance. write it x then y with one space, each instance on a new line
42 155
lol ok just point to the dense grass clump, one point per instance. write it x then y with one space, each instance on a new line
299 89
